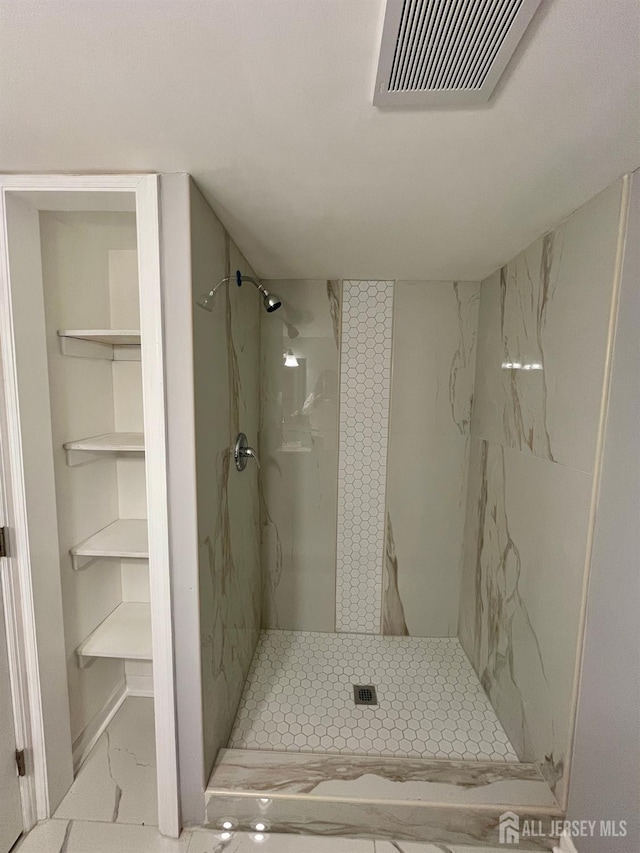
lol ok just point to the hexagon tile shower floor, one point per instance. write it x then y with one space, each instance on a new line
299 698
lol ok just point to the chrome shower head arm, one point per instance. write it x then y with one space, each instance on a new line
271 302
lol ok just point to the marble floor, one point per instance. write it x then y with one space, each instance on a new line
117 781
71 836
299 698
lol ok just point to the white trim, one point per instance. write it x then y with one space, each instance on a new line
140 685
18 590
153 390
92 732
17 587
177 194
73 183
9 600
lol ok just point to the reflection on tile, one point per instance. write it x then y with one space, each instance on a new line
204 841
117 782
299 697
299 455
549 307
365 378
439 824
434 328
61 836
542 340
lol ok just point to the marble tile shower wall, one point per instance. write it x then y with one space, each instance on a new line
541 356
226 377
323 573
434 342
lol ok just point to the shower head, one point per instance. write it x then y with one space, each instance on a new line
270 301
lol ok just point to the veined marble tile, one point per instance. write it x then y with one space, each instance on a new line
434 342
62 836
375 778
299 455
205 841
432 392
443 824
426 502
80 836
226 377
45 837
542 339
523 577
117 782
415 847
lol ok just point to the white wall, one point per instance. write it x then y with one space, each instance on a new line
605 772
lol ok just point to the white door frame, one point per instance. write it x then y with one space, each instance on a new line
17 587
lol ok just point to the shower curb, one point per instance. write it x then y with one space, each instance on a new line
428 800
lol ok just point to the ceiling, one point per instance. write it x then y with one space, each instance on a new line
268 104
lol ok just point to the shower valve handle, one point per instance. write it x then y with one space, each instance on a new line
242 452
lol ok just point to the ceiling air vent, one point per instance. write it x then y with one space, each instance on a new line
447 52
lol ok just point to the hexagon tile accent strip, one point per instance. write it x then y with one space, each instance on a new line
299 698
365 387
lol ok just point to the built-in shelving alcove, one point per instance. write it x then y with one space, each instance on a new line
82 363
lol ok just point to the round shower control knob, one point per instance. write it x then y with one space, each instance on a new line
242 452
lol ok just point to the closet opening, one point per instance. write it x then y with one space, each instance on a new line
83 288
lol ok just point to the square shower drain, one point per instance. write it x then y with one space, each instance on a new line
365 694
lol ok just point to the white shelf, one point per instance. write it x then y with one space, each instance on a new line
126 538
89 449
124 634
118 337
111 344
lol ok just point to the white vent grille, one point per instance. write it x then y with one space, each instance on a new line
443 52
